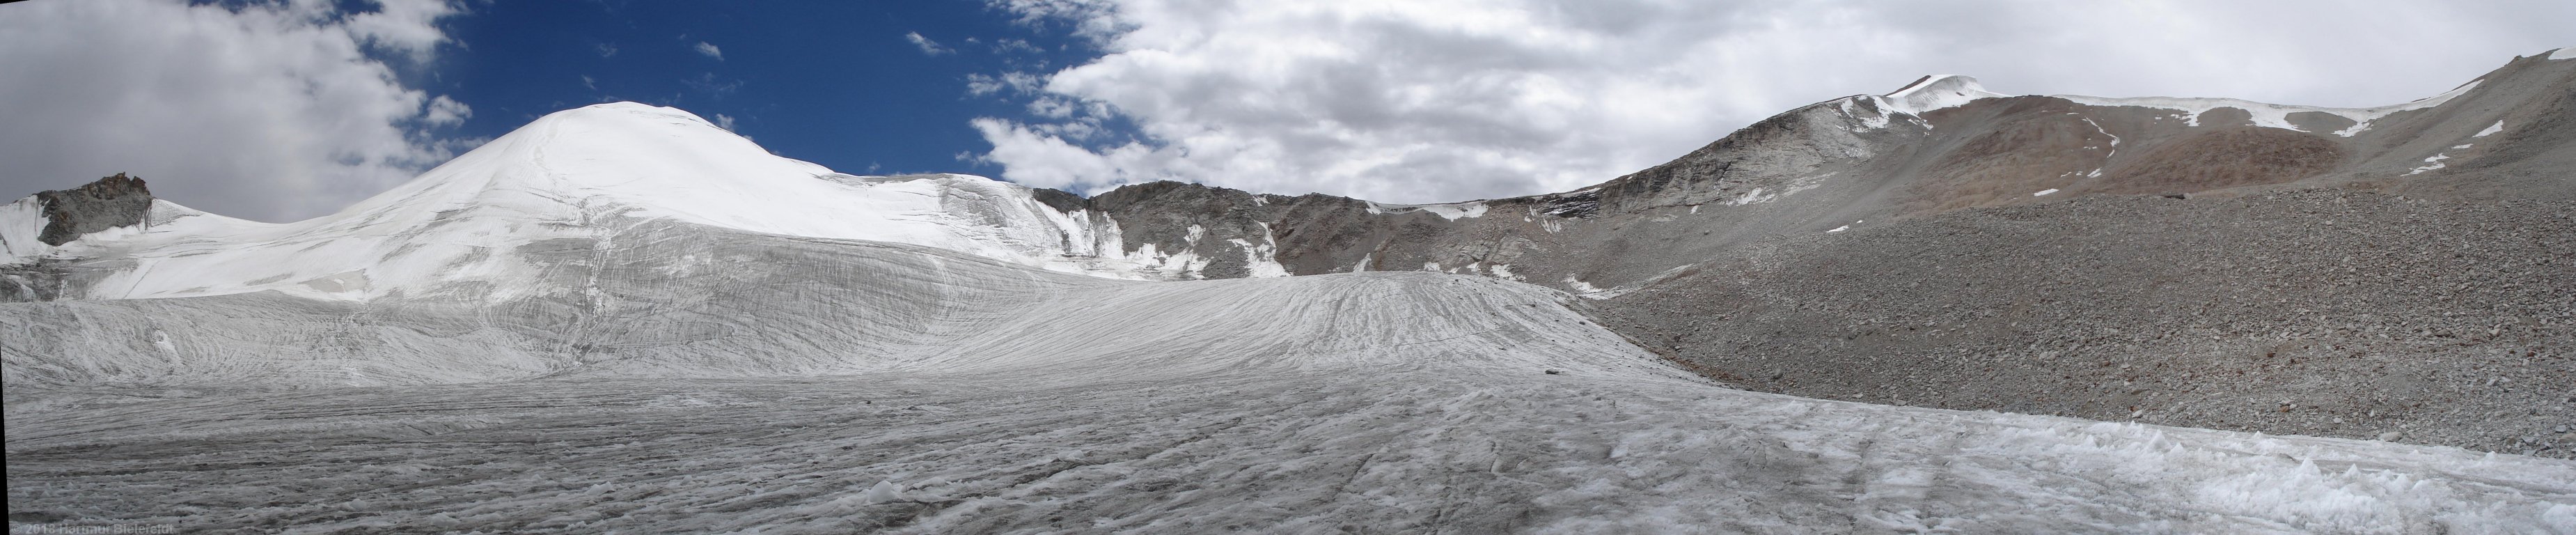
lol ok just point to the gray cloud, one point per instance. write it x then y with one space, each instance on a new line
272 111
1450 100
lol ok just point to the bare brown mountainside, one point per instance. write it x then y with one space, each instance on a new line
2201 262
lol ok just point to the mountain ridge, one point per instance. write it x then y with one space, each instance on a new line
1784 155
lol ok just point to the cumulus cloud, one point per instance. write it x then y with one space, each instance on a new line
1443 100
927 46
269 110
710 50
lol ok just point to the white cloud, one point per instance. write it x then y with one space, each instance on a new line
443 111
710 50
980 84
708 84
1052 107
1440 100
725 122
269 111
927 46
1015 46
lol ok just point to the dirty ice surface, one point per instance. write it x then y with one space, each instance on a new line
1433 447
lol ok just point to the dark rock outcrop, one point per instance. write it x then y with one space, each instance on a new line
1060 200
111 202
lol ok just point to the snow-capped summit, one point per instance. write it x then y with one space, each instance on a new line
1936 92
631 160
634 160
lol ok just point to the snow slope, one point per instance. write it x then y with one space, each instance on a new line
583 173
1929 93
1937 92
845 386
20 222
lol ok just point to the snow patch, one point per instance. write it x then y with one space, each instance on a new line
2271 115
1262 258
1869 119
1456 211
1847 227
1450 211
2493 128
2106 157
1757 195
2435 160
2045 192
2563 53
1184 264
1586 290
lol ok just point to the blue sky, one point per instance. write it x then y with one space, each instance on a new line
835 83
280 110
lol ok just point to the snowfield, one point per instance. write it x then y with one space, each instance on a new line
549 337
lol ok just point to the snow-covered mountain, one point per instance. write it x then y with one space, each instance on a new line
458 230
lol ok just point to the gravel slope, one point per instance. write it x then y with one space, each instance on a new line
2325 313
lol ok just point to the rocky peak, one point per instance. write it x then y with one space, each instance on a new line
110 202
